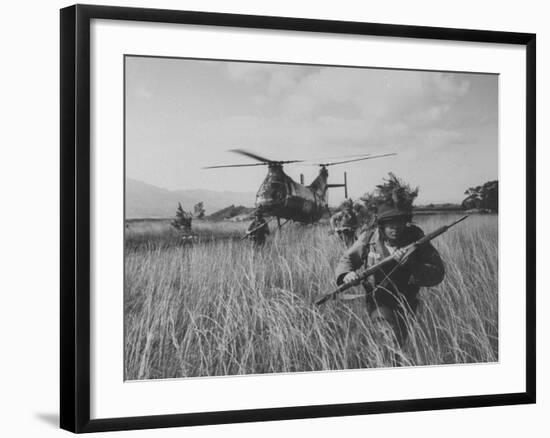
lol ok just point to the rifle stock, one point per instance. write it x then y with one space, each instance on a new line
385 262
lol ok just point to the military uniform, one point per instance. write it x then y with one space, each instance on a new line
258 230
392 292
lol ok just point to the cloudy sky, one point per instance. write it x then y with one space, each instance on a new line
184 114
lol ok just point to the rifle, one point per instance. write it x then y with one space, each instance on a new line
343 229
409 249
248 233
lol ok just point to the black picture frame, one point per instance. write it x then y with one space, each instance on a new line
75 217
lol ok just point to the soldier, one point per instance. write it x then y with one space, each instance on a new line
344 223
392 293
258 229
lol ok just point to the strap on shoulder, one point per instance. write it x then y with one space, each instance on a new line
366 242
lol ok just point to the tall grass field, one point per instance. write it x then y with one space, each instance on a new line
219 306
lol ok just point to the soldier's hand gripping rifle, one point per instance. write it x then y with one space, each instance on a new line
390 260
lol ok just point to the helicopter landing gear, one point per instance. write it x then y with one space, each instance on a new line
281 225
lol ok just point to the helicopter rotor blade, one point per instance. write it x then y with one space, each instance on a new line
356 159
235 165
263 159
289 161
251 155
317 162
339 157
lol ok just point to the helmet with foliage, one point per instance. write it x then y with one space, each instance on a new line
392 199
347 204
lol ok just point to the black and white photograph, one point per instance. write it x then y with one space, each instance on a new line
275 219
291 218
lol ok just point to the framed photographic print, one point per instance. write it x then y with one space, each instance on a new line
270 218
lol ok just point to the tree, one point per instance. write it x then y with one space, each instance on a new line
183 219
198 210
490 195
482 197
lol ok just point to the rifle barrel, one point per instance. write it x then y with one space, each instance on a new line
457 221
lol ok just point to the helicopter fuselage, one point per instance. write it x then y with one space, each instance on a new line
281 196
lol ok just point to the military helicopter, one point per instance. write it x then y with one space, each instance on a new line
280 196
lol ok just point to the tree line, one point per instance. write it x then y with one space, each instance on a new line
484 197
183 219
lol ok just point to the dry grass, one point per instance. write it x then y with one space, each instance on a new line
221 307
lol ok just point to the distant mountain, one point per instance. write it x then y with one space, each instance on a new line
148 201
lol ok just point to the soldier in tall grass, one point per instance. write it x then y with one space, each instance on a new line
258 230
392 293
344 222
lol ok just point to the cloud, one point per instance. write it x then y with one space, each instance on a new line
449 86
247 71
429 115
379 93
349 110
373 98
375 108
275 80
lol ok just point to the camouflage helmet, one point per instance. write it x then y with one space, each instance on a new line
387 212
394 199
346 204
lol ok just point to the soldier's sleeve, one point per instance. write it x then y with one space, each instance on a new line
251 226
266 226
352 259
427 268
